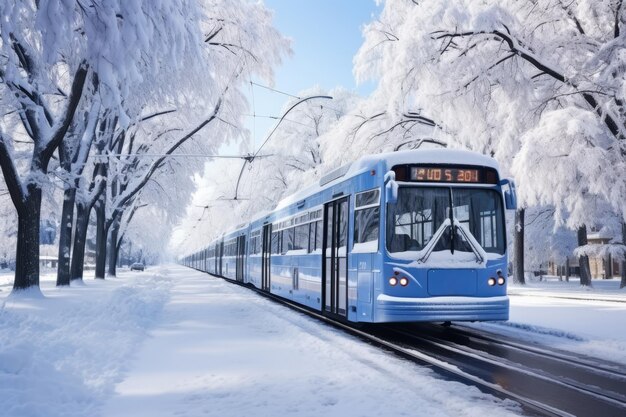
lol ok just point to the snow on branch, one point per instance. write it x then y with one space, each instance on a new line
64 121
131 192
616 251
517 48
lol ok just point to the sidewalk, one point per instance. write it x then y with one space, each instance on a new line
550 286
221 350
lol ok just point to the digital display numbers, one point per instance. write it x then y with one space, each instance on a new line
446 174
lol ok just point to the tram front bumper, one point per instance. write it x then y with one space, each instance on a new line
403 309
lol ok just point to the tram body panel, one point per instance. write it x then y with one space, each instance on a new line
356 251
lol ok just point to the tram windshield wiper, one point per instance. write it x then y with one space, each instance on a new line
478 250
464 240
428 249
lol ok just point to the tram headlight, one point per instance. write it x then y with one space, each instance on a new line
501 279
404 282
393 281
491 282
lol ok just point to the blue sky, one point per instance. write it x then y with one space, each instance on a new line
325 36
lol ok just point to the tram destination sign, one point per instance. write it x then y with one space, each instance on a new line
446 173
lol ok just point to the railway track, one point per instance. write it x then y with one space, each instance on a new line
545 382
571 385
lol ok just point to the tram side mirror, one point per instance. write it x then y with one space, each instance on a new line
391 188
510 196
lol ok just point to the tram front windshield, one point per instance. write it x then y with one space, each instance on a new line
420 211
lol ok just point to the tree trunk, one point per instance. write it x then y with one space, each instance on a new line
518 248
583 261
80 241
623 269
567 269
117 251
101 240
65 237
27 254
112 247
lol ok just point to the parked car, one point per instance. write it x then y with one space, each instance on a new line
137 266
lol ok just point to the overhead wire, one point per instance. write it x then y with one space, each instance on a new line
275 90
253 155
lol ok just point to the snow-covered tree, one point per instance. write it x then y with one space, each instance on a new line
544 241
503 76
289 160
114 62
51 50
41 90
240 42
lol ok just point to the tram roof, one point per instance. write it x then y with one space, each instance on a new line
368 162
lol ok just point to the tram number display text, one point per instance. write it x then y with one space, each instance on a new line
429 174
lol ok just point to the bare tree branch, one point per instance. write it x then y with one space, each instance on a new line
11 176
64 124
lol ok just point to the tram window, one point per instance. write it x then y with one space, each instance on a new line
343 224
367 198
487 220
312 236
419 212
301 237
415 217
366 225
319 234
480 211
315 236
287 240
275 243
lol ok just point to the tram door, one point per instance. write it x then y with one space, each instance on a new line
241 256
266 254
220 246
335 289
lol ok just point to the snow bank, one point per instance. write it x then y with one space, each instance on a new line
61 355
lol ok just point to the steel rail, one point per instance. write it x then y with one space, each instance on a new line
593 364
611 397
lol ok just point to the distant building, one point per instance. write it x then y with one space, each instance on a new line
46 261
48 256
601 267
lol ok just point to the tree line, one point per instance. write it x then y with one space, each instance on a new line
98 96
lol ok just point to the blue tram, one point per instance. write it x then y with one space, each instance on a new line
406 236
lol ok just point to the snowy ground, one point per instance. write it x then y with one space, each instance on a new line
174 342
567 316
